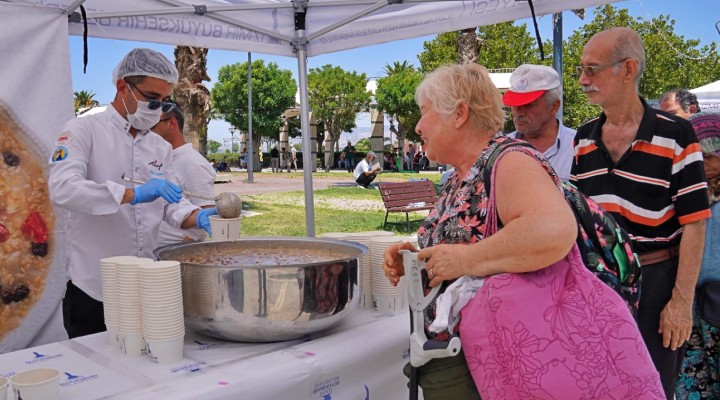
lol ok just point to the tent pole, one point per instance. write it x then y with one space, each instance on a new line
251 155
557 54
74 6
300 46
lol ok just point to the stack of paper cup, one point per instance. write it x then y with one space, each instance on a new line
335 235
109 292
366 297
386 297
163 323
130 331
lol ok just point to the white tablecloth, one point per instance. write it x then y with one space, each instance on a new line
362 358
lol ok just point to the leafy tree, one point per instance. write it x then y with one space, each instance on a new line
83 99
672 61
395 95
336 96
213 146
363 145
273 91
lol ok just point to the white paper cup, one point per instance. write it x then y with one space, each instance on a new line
225 228
166 351
390 303
3 388
36 384
133 344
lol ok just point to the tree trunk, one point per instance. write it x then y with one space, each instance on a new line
468 46
192 95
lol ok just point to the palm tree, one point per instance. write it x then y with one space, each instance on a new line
192 95
84 99
468 46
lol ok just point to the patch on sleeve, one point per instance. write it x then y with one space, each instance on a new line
64 139
60 153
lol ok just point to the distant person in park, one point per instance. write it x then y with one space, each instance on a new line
365 171
534 98
349 151
406 161
342 161
680 102
411 156
646 168
243 158
700 373
275 159
293 158
192 171
284 160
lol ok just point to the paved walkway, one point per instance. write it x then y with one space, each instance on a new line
268 182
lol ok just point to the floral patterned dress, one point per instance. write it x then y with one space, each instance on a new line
459 217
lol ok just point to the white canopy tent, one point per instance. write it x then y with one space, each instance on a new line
708 96
294 28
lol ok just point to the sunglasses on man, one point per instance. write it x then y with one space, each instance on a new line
153 103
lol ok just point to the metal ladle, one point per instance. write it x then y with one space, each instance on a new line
228 205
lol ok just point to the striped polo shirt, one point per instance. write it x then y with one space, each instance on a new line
657 186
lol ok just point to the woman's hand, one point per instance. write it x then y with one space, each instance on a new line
393 261
444 262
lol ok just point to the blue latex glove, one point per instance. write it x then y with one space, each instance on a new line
203 218
156 188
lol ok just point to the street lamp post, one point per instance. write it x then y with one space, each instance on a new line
232 130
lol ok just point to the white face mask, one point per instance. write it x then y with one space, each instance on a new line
143 118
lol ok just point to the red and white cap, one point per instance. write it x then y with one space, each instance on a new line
528 82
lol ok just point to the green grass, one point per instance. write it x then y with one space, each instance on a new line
283 214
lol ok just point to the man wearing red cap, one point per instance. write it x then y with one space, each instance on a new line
534 98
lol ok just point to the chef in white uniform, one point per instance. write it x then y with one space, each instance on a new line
108 216
192 171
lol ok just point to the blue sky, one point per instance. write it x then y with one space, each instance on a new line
694 20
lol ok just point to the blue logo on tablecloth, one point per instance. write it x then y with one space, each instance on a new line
325 388
40 357
74 379
207 346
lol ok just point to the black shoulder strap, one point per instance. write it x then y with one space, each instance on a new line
490 162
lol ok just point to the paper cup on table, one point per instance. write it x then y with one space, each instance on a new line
386 297
166 351
364 238
36 384
224 228
108 280
3 388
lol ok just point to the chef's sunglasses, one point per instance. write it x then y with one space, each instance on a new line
153 103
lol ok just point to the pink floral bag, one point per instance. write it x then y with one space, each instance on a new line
556 333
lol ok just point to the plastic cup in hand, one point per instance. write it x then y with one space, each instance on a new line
224 228
36 384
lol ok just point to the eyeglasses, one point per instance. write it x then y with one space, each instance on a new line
591 70
153 103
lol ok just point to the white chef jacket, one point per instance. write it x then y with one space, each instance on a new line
561 153
195 174
85 178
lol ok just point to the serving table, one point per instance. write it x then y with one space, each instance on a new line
361 358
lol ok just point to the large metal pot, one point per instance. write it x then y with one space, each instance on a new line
264 302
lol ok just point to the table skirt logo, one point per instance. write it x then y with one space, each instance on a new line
40 358
207 346
194 367
324 389
73 379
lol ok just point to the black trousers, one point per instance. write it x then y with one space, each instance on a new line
82 315
656 289
364 180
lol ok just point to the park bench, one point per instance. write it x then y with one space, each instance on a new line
407 197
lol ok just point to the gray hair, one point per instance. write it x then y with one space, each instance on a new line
551 95
629 44
451 85
683 97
